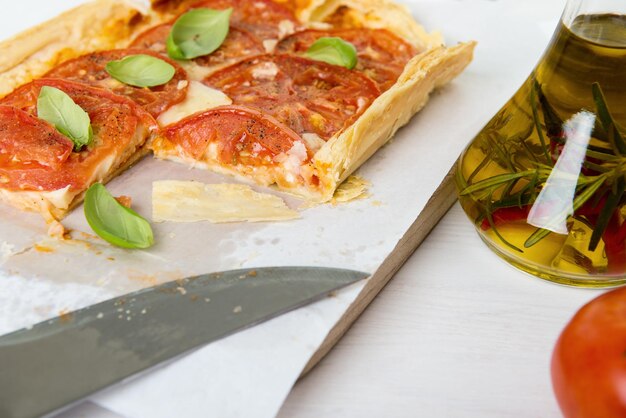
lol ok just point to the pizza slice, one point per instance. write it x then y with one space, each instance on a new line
42 170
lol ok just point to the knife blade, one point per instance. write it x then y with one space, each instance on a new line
57 363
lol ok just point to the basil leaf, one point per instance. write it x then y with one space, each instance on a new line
56 107
115 223
141 71
198 32
173 51
333 50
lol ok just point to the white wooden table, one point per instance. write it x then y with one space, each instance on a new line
458 332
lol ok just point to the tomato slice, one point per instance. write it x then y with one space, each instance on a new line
238 45
90 69
26 139
382 55
242 136
120 126
306 95
263 18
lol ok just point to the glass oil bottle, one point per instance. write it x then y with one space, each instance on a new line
545 180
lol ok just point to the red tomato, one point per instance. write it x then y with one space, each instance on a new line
34 157
24 137
305 95
238 45
242 135
382 55
91 69
261 17
589 360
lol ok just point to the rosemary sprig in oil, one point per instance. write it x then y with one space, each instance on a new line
528 165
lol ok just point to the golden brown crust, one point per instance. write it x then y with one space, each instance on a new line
102 24
374 14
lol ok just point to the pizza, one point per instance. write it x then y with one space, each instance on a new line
258 105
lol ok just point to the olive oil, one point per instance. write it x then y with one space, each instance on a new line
544 181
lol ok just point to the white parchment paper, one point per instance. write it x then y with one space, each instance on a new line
251 373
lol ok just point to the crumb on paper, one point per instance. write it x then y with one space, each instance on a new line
252 273
181 290
57 230
43 248
125 201
353 188
100 315
191 201
148 279
65 316
237 309
86 235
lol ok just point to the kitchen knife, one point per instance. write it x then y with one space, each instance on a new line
56 363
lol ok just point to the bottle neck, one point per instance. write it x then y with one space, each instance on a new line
576 8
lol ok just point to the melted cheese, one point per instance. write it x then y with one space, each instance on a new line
197 72
190 201
270 45
61 198
313 141
265 71
199 98
31 200
285 28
